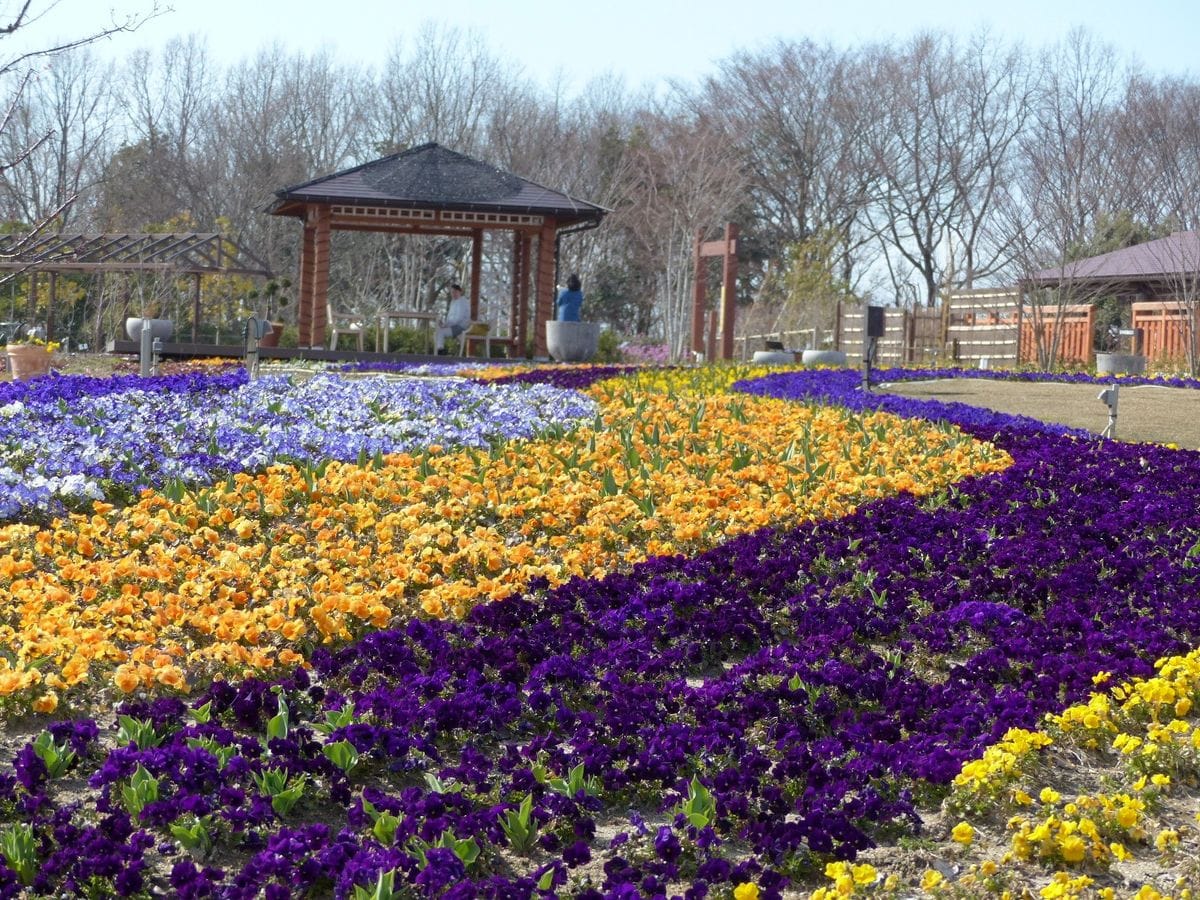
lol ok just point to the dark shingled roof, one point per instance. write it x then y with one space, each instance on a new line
1163 259
433 177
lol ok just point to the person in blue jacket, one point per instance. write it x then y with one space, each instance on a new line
570 300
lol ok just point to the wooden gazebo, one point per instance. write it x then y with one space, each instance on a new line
432 190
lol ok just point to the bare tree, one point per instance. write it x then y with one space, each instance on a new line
1070 173
69 113
687 178
443 91
996 87
66 116
796 114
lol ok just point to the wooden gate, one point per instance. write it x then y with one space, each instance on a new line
1074 324
909 336
1165 331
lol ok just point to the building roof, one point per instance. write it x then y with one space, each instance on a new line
432 177
1165 259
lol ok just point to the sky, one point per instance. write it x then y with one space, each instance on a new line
646 43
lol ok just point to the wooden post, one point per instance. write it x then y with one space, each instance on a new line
543 296
514 305
314 276
729 290
698 299
196 308
526 273
50 306
321 276
33 295
727 250
476 266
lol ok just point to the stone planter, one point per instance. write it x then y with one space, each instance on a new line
1113 363
773 357
159 328
823 358
27 361
572 341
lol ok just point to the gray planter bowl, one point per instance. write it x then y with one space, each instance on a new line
823 358
572 341
1112 363
773 357
159 328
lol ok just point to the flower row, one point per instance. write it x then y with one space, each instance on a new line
255 571
745 715
66 441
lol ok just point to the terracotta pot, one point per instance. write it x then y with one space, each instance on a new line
28 361
271 338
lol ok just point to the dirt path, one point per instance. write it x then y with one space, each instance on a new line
1144 413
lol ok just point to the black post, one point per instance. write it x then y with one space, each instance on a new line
873 331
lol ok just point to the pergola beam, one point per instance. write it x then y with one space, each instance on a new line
173 254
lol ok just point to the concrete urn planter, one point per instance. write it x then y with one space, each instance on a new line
773 357
572 341
159 328
823 358
1113 363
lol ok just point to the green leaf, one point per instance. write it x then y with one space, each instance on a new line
342 754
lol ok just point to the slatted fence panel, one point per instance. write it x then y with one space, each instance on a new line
891 350
982 324
1075 325
1164 326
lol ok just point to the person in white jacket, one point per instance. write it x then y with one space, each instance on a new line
458 319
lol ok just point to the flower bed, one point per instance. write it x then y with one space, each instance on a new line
81 438
688 725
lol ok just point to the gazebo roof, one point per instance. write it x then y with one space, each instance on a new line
431 177
1165 259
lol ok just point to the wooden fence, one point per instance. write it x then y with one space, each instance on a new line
910 335
981 327
1074 325
1165 331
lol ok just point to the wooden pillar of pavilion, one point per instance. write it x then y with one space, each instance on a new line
476 269
50 306
314 276
196 308
514 303
698 294
526 275
543 292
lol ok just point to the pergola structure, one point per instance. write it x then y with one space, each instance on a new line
176 254
432 190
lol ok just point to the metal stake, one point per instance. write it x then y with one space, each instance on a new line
1109 396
